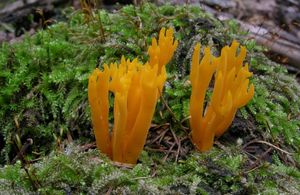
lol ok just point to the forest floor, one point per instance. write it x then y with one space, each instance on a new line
48 53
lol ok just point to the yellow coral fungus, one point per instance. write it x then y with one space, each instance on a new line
161 51
231 91
135 87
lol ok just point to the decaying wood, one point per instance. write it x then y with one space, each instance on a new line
275 39
14 10
14 20
272 23
281 45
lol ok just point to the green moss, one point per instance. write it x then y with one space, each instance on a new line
77 171
276 104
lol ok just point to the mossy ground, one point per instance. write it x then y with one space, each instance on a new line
43 96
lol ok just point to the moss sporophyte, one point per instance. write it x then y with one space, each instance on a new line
136 88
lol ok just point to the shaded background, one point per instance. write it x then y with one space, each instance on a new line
272 23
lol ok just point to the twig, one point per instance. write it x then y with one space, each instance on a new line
267 143
253 169
35 183
169 151
168 108
258 160
178 144
28 143
157 150
249 154
173 115
160 137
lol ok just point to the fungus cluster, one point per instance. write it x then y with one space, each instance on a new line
135 88
231 91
